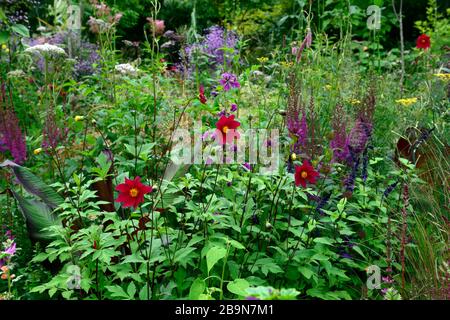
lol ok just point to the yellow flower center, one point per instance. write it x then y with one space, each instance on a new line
134 192
225 129
304 174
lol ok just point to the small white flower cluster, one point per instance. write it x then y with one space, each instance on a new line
16 73
126 69
46 49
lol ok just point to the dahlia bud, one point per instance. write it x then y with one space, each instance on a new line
37 151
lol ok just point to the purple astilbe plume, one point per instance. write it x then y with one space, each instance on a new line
53 135
229 81
339 142
296 125
359 136
11 136
298 128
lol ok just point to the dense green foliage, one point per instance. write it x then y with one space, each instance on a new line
90 110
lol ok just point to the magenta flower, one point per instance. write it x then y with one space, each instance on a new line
229 81
11 250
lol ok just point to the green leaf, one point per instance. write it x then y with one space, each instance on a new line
38 216
213 255
182 255
197 288
236 244
34 184
4 37
327 241
117 292
143 293
358 249
21 30
306 272
238 287
131 290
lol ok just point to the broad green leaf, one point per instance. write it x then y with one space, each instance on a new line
306 272
38 216
213 255
327 241
238 287
197 288
21 30
4 37
34 184
182 255
143 294
117 292
131 290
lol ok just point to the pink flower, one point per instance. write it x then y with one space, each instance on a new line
157 26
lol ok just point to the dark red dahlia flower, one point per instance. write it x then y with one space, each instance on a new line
131 193
423 42
201 95
227 126
305 173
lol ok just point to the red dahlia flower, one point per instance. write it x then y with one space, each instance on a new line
423 42
224 125
201 95
305 173
131 193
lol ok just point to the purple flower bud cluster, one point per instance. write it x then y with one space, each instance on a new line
11 137
219 46
17 10
298 128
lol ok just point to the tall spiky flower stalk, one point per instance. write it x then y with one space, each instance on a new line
11 136
404 229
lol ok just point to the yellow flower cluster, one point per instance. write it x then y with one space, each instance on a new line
354 102
406 102
287 64
5 48
262 59
443 76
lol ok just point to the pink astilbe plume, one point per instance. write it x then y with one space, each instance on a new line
297 127
53 135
